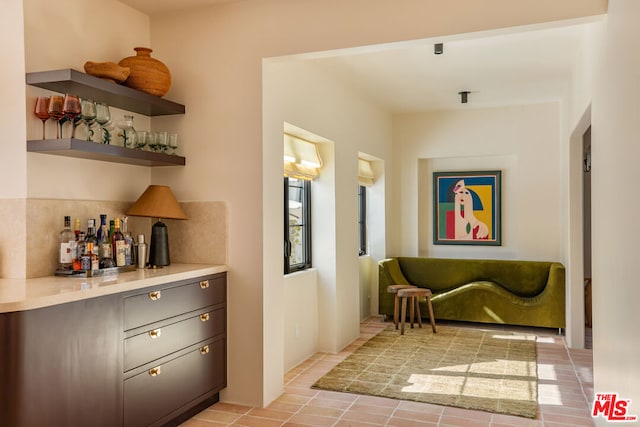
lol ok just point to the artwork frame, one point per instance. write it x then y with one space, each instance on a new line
454 190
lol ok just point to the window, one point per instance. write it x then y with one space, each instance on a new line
297 224
362 219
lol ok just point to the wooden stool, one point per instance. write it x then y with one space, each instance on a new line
414 294
393 289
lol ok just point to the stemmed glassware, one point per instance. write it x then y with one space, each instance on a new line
173 143
42 110
161 142
56 111
88 114
141 139
151 140
71 110
103 116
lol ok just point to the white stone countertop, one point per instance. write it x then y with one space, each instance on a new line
28 294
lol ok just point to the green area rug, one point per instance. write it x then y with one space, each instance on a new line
468 368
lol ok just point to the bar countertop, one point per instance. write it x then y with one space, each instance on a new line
28 294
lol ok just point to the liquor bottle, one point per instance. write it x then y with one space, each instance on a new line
118 244
67 246
91 236
105 251
90 259
81 247
100 236
128 242
76 228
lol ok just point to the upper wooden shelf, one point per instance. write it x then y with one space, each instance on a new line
87 86
78 148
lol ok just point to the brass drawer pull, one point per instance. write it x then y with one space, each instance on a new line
154 372
204 317
204 284
204 349
155 333
155 295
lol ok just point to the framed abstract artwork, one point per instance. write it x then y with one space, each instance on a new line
467 208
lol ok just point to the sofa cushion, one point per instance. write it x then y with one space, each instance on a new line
521 278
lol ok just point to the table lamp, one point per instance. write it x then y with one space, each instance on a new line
158 201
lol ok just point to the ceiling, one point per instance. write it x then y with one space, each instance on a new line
498 69
508 69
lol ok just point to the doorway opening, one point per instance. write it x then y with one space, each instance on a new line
586 223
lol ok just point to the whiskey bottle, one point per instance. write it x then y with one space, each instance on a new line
118 244
76 228
67 246
91 235
90 259
81 247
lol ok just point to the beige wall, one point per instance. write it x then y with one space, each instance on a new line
615 151
13 161
518 140
216 57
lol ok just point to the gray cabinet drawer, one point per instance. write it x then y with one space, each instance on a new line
164 302
155 393
155 343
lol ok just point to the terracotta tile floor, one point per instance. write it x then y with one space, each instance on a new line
565 391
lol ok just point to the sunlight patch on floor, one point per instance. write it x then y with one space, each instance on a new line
514 337
547 372
549 394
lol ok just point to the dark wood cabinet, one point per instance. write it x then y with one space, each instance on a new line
174 349
59 365
153 356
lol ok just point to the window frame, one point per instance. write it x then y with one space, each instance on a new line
306 228
362 220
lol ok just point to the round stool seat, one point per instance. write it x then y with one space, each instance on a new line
414 294
393 289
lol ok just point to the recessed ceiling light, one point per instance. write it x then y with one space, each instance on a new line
464 96
438 48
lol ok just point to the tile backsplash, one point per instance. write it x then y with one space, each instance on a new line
200 239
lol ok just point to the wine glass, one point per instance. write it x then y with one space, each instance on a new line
88 114
161 142
151 140
42 110
173 143
56 111
103 116
141 139
71 109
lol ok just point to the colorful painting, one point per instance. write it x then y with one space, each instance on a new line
467 208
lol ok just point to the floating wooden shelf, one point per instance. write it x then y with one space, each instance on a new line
71 147
87 86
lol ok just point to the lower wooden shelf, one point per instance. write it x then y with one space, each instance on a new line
71 147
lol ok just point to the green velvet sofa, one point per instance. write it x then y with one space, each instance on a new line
527 293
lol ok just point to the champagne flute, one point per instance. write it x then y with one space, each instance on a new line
88 114
103 116
42 110
56 111
71 109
